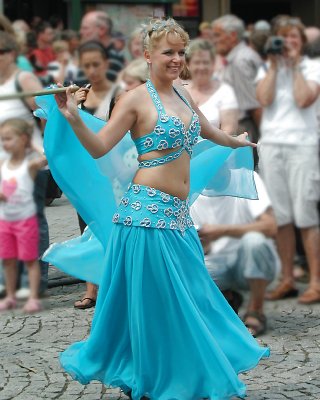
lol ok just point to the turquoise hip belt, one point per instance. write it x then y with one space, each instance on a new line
151 208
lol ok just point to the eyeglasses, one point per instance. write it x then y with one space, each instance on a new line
289 21
4 51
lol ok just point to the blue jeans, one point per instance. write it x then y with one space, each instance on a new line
256 258
39 197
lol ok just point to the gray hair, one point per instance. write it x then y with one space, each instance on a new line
103 19
231 23
197 45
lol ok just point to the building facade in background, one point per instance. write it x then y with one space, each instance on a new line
129 13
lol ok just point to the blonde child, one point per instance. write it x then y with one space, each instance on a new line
19 232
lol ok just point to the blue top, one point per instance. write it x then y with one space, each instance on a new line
169 133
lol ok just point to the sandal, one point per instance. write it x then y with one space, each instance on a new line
256 329
32 306
128 394
8 303
282 291
310 296
91 303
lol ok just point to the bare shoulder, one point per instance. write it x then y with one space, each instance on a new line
28 80
133 99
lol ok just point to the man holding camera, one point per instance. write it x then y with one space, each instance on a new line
287 89
242 64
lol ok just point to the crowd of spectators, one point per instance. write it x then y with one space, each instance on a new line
263 78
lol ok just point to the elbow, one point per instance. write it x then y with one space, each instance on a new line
304 103
272 230
265 101
97 154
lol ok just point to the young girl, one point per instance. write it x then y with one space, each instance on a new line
19 233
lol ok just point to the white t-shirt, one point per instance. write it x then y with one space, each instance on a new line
229 211
71 70
18 186
283 122
222 99
16 109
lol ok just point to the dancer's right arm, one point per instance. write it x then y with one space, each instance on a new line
123 118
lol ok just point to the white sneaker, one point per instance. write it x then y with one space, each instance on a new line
2 288
23 294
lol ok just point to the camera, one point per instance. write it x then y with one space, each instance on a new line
274 45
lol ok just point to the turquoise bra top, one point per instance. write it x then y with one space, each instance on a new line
169 133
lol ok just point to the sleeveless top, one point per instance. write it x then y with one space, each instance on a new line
15 108
169 133
17 186
102 111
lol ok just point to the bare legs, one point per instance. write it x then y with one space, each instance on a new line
286 249
11 275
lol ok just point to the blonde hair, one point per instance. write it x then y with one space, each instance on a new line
159 28
58 46
20 127
137 69
204 25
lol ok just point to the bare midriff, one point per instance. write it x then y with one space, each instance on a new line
172 177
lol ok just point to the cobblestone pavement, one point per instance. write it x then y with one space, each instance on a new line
29 345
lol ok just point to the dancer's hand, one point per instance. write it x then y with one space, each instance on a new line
67 104
81 95
243 140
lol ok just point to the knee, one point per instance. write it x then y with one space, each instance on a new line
253 242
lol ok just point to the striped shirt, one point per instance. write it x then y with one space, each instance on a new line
240 73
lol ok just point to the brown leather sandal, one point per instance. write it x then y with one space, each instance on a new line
282 291
310 296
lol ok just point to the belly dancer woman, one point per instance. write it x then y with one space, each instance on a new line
161 329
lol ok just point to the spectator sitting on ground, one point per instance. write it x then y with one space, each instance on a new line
237 237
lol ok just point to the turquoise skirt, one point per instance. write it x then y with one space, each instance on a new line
161 328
